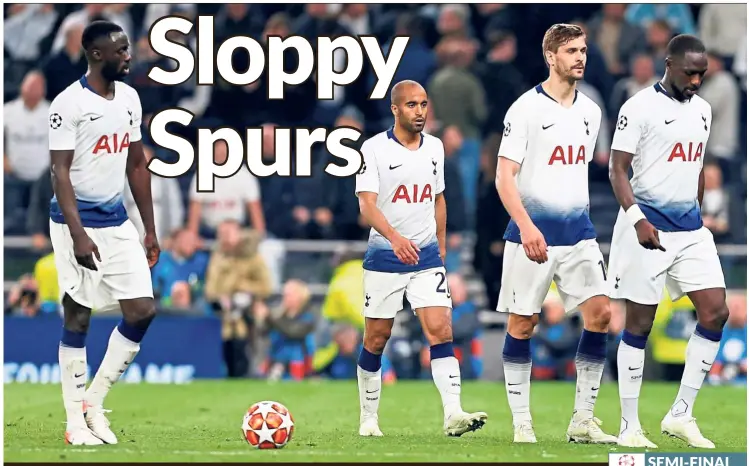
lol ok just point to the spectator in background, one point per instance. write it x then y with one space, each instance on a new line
730 364
554 342
454 21
288 327
456 97
115 12
356 18
642 75
168 209
237 278
454 197
715 203
28 31
616 38
467 330
722 28
499 72
659 34
26 156
68 65
677 15
720 90
234 198
490 226
23 297
179 276
239 19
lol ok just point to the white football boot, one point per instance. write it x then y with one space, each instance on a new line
634 438
685 428
524 432
584 429
458 423
98 423
81 436
369 427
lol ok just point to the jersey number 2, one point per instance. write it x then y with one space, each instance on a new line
442 287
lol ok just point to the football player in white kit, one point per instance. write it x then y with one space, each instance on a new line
659 239
95 141
542 179
401 196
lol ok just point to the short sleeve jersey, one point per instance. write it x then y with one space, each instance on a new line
553 146
406 183
100 132
668 139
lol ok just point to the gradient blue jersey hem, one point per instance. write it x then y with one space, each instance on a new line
672 220
385 260
556 231
93 214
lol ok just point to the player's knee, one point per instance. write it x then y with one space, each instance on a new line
77 317
600 317
521 327
716 317
375 340
639 325
140 313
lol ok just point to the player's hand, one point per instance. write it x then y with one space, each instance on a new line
647 235
534 244
405 250
84 251
152 248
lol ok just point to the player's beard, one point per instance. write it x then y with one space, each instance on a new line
113 72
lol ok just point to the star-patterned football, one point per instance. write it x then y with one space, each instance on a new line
268 425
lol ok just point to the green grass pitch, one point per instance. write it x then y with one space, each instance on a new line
201 422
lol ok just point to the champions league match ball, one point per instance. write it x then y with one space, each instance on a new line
268 425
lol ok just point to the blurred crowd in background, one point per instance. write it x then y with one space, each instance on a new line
296 313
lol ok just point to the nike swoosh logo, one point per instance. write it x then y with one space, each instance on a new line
705 362
394 167
547 127
373 391
513 384
634 368
94 119
453 376
595 389
669 122
79 375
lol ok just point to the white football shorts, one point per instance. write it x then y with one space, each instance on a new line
579 272
690 263
384 291
123 272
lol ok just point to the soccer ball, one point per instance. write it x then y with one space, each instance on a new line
268 425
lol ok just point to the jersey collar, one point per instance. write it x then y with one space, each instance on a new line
540 90
660 89
391 135
85 84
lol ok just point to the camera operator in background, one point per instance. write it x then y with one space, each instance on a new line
237 279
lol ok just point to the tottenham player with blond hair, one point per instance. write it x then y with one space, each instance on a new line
95 142
659 239
542 179
401 196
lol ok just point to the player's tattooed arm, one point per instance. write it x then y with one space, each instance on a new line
84 248
533 240
139 179
405 250
619 166
440 214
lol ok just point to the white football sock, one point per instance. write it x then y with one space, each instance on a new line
446 375
73 376
630 362
518 386
589 375
370 387
120 353
700 357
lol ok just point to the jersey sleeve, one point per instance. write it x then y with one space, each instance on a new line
64 116
441 170
629 129
252 190
137 118
368 177
515 136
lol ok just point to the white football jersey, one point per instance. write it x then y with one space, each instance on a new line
668 139
553 146
100 132
406 183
